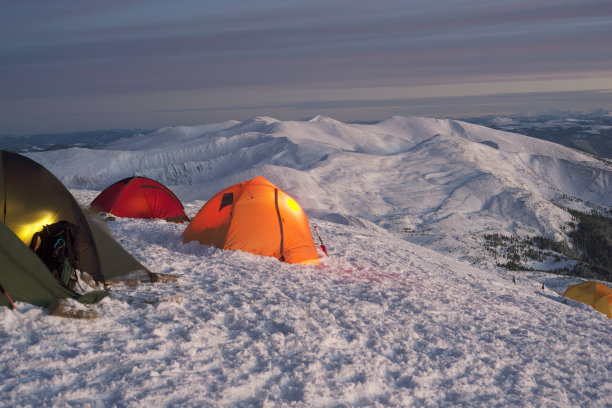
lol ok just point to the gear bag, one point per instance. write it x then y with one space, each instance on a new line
57 246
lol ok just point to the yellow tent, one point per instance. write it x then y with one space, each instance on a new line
594 294
255 216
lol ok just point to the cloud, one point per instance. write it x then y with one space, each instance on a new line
67 48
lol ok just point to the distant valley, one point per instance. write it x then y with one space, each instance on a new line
590 132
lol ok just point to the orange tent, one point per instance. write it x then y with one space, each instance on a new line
254 216
595 294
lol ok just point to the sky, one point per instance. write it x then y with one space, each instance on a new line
68 65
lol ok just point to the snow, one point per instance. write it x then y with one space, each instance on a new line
390 318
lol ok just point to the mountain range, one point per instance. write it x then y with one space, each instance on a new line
441 183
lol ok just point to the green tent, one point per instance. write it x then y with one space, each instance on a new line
24 276
31 197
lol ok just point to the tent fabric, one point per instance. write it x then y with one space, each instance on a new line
24 276
31 197
140 197
115 262
594 294
604 305
254 216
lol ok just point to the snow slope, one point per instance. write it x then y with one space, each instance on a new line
380 322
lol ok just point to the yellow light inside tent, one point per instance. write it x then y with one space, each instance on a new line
25 231
293 205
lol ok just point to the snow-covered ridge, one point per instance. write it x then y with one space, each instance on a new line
446 179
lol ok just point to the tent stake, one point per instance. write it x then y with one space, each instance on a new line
4 292
320 240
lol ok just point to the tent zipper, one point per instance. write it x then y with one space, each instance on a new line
280 224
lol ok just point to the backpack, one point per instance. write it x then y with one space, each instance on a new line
57 246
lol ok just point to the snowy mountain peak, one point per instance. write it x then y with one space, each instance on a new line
323 119
256 124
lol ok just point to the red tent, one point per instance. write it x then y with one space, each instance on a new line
140 197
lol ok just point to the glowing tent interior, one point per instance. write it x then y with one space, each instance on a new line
31 197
